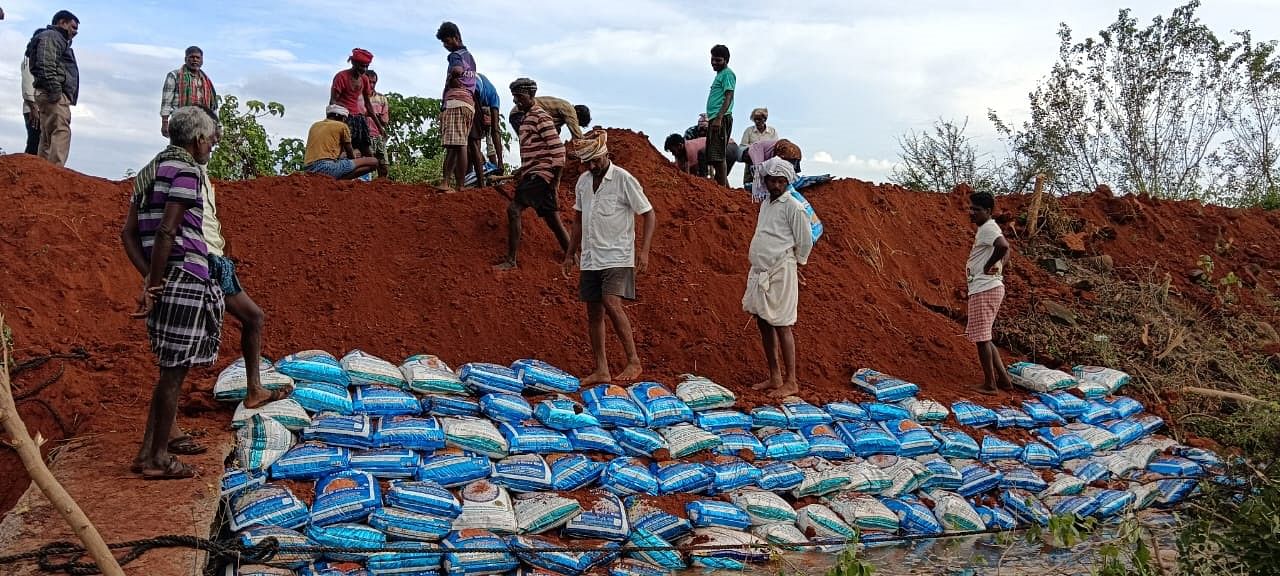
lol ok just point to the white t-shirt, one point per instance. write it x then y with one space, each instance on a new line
983 247
609 218
212 227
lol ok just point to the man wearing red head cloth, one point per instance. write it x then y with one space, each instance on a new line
351 90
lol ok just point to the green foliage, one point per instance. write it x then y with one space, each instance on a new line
413 139
288 155
245 150
849 562
939 159
1122 550
1224 534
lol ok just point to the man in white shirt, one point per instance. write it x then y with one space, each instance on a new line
782 241
985 275
608 200
30 111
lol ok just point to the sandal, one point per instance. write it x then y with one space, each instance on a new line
185 445
175 470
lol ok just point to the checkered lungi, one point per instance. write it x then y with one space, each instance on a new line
455 123
185 325
359 127
983 308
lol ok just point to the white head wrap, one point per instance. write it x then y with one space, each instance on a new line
336 109
778 167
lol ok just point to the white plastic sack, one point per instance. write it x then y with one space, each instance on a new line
486 506
820 522
1038 378
864 512
233 382
477 435
763 507
702 394
539 512
427 374
287 412
261 441
955 513
686 439
1110 378
366 369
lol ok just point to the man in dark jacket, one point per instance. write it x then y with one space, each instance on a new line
57 83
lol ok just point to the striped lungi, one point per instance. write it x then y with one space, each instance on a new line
185 325
983 308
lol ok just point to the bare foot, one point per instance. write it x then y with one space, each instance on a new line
597 377
763 385
788 389
631 372
988 390
261 397
505 265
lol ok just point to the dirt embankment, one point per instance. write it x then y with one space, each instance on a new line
397 270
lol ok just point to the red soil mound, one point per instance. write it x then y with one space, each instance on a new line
397 270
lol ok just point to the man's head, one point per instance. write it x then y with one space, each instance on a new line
593 150
68 22
360 60
584 115
787 150
449 36
217 125
336 112
523 91
191 129
372 76
760 116
981 205
675 145
719 57
195 57
778 176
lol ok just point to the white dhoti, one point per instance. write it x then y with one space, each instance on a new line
773 294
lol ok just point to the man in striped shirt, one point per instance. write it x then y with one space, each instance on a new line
541 161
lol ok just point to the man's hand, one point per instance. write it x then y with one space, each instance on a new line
989 270
642 263
52 97
34 115
164 126
147 301
570 260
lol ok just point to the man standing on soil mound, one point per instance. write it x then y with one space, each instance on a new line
608 199
541 161
783 240
164 238
187 86
57 84
352 90
720 113
985 275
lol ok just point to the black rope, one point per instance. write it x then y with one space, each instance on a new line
76 353
23 393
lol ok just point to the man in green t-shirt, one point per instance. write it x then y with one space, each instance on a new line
720 113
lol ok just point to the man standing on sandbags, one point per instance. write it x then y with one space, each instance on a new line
608 199
57 84
541 161
782 241
164 238
187 86
985 276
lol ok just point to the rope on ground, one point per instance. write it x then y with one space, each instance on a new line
76 353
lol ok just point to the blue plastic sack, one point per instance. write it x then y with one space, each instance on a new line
994 448
316 397
1127 431
867 439
386 463
1150 423
347 496
449 405
847 411
310 460
384 400
572 471
1007 417
1067 444
1037 455
881 412
522 473
413 432
1022 478
883 387
541 553
943 476
1123 406
484 378
914 517
801 414
628 476
459 562
1025 507
540 375
532 439
633 567
606 520
1201 456
639 441
423 497
978 478
733 442
731 473
913 439
410 525
236 480
704 513
953 443
653 519
286 538
782 444
1064 403
1175 466
1112 502
450 467
682 477
1098 437
996 517
825 443
405 559
660 407
1078 506
1175 491
1091 471
722 419
347 535
353 431
969 414
563 414
1096 412
815 225
314 366
269 505
593 439
613 407
504 407
1041 414
779 476
763 416
667 559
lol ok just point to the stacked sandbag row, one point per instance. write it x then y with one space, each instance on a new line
418 456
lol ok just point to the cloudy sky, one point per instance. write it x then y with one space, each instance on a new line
843 78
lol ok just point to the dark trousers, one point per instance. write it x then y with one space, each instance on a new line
33 134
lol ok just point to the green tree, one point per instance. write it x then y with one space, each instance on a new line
1249 162
245 150
288 155
937 160
414 148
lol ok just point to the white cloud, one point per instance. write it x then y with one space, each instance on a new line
274 56
149 50
870 169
